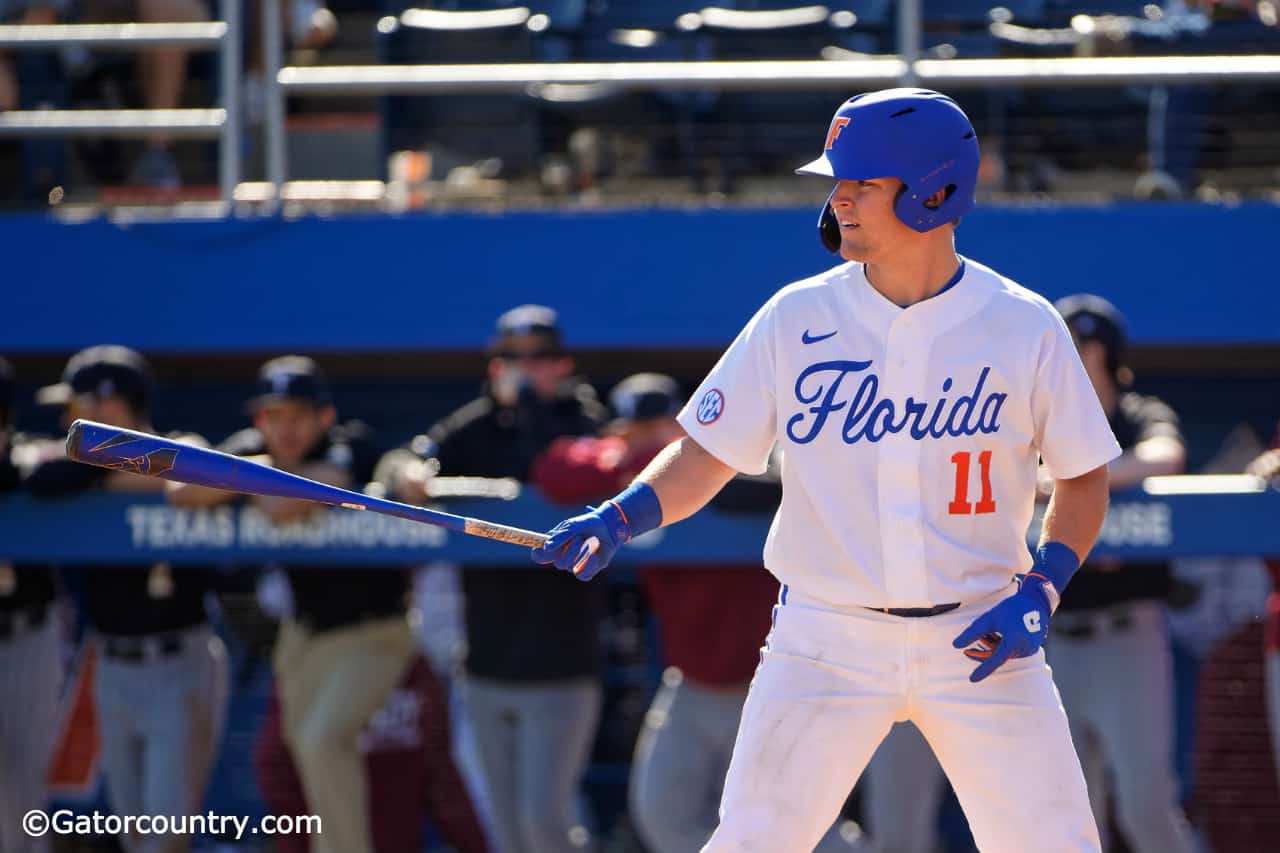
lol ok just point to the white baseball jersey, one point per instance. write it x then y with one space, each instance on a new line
910 437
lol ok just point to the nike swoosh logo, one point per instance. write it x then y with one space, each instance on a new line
806 338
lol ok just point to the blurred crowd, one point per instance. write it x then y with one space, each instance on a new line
155 78
478 709
1167 140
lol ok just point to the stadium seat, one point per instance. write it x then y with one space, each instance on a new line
961 44
861 26
633 31
962 28
950 14
1062 11
757 131
869 14
460 131
795 32
639 14
622 30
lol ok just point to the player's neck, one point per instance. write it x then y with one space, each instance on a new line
914 276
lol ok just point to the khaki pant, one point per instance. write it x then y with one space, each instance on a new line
330 684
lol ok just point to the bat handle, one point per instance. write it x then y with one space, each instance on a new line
503 533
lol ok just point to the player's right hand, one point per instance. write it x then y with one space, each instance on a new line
586 543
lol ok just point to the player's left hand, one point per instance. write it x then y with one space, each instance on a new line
1014 628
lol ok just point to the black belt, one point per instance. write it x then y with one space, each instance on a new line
917 612
137 649
22 619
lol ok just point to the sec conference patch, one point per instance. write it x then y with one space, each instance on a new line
711 407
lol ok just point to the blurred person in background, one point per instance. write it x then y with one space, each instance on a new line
32 167
161 678
308 25
1109 640
31 670
26 12
161 75
344 644
533 669
712 621
1267 466
904 788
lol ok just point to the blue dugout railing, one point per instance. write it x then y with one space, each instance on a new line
1172 516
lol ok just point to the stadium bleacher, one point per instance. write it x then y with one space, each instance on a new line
1087 141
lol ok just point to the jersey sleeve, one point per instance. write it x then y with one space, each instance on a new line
1072 432
733 413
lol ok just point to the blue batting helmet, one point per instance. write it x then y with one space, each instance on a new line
918 136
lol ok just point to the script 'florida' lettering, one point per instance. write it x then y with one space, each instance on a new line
869 416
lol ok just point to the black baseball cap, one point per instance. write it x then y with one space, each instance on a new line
290 377
103 371
644 396
6 391
536 321
1092 318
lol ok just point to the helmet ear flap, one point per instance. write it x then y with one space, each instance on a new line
829 227
829 230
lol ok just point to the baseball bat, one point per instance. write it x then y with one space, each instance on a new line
150 455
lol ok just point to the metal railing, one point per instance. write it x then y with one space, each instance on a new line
222 123
844 74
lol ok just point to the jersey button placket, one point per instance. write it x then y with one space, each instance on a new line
906 324
902 540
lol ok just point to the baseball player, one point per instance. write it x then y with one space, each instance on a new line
31 669
1267 466
532 688
1110 651
160 683
913 393
347 643
904 788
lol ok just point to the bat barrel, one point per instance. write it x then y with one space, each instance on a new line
121 449
151 455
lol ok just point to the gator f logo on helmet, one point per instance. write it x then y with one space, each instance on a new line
918 136
837 124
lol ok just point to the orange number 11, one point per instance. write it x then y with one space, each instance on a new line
960 504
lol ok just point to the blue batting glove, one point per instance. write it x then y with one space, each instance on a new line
1017 626
586 543
1014 628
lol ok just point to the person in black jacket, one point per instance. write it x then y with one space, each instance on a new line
1109 640
533 666
161 678
31 670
